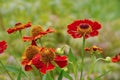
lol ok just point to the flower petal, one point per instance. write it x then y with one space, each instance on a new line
50 66
94 33
36 61
18 26
25 62
115 59
25 38
3 46
43 69
61 61
28 68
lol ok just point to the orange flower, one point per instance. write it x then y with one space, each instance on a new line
94 49
18 27
3 46
37 32
44 61
84 27
29 53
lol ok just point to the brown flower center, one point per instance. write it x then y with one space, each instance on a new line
36 30
84 29
31 51
47 55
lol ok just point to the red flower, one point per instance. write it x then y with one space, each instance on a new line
18 27
44 60
116 58
86 28
37 33
29 53
3 46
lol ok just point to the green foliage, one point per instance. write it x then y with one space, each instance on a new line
71 56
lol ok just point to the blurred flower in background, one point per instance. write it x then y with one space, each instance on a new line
3 46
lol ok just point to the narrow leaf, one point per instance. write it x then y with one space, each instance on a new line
101 75
19 75
71 56
67 75
61 75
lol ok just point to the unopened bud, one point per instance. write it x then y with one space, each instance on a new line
108 59
59 51
65 69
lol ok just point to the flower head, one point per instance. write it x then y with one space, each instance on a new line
116 58
94 49
29 53
18 27
44 61
3 46
85 27
37 32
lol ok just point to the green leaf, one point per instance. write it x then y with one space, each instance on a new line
67 75
19 75
14 69
71 56
47 77
61 75
97 78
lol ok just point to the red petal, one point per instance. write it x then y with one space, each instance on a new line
28 24
28 68
33 43
115 60
36 61
25 62
27 38
3 46
94 33
43 69
96 26
10 30
61 61
50 66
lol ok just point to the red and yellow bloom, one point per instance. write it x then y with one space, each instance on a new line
18 27
85 27
29 53
116 58
3 46
44 61
94 49
37 32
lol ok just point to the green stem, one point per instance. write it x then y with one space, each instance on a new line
92 65
99 59
75 69
6 70
20 32
82 62
52 74
40 76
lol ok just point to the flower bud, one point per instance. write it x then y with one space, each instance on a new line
59 51
65 69
108 59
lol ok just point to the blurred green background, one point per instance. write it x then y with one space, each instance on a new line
58 14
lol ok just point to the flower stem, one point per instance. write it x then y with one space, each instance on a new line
93 58
82 62
6 70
